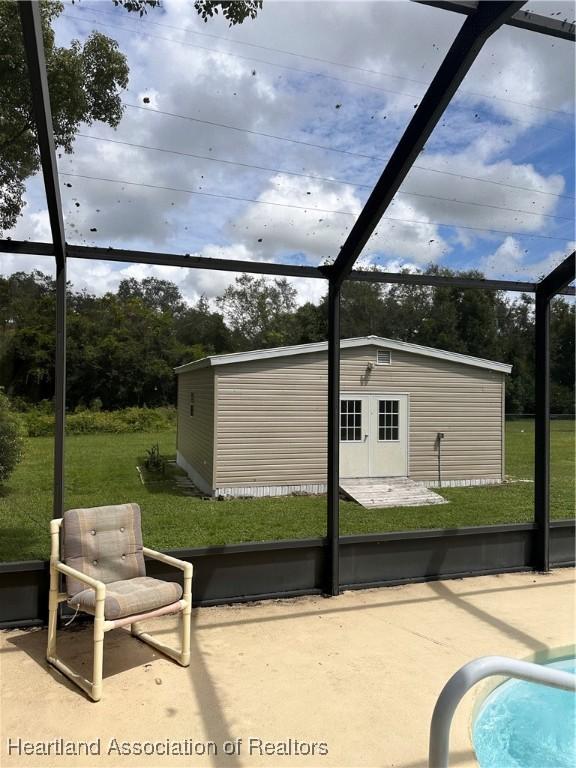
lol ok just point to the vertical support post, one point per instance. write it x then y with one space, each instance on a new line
60 390
31 22
333 502
542 433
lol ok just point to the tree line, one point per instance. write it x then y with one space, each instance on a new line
123 346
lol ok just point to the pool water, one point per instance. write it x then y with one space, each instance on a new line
525 725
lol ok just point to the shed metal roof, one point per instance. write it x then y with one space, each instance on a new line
322 346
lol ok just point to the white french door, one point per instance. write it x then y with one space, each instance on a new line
373 435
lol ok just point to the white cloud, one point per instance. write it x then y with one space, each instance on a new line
32 226
198 79
511 260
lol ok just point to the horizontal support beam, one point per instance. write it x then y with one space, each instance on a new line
560 277
163 259
442 281
25 247
532 22
194 262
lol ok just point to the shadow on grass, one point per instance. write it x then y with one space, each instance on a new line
165 481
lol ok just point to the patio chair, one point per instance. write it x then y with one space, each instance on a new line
103 562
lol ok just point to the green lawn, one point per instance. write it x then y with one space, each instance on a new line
101 469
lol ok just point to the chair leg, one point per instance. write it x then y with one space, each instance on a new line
92 687
52 614
185 619
98 661
181 656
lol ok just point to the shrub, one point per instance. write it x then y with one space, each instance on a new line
154 461
39 424
11 441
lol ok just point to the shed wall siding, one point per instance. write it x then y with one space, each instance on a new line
271 416
195 442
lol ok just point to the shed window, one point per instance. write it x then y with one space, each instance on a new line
351 420
383 357
191 403
388 420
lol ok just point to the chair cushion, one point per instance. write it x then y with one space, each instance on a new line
125 598
104 543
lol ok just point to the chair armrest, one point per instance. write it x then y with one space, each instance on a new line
98 586
182 565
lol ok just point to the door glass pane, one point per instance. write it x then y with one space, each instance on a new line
351 420
388 420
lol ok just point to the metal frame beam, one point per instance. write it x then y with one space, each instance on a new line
263 268
444 281
34 47
477 28
333 468
557 280
533 22
483 19
542 434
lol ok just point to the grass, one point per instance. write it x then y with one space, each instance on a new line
101 469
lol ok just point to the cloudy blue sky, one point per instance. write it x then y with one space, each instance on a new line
316 95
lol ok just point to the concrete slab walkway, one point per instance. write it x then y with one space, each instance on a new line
356 675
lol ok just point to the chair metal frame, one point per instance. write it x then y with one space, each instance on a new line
101 625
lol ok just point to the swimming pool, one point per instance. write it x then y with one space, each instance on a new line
525 725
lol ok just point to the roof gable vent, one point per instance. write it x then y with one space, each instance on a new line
383 357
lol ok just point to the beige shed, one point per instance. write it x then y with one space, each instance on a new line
255 423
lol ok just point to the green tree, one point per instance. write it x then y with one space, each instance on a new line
122 347
516 324
122 352
562 359
478 322
85 83
461 320
440 327
160 295
203 331
361 309
11 441
234 11
309 323
405 307
258 311
27 335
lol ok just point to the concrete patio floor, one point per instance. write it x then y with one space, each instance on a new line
359 673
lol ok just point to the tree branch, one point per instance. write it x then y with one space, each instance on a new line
27 126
